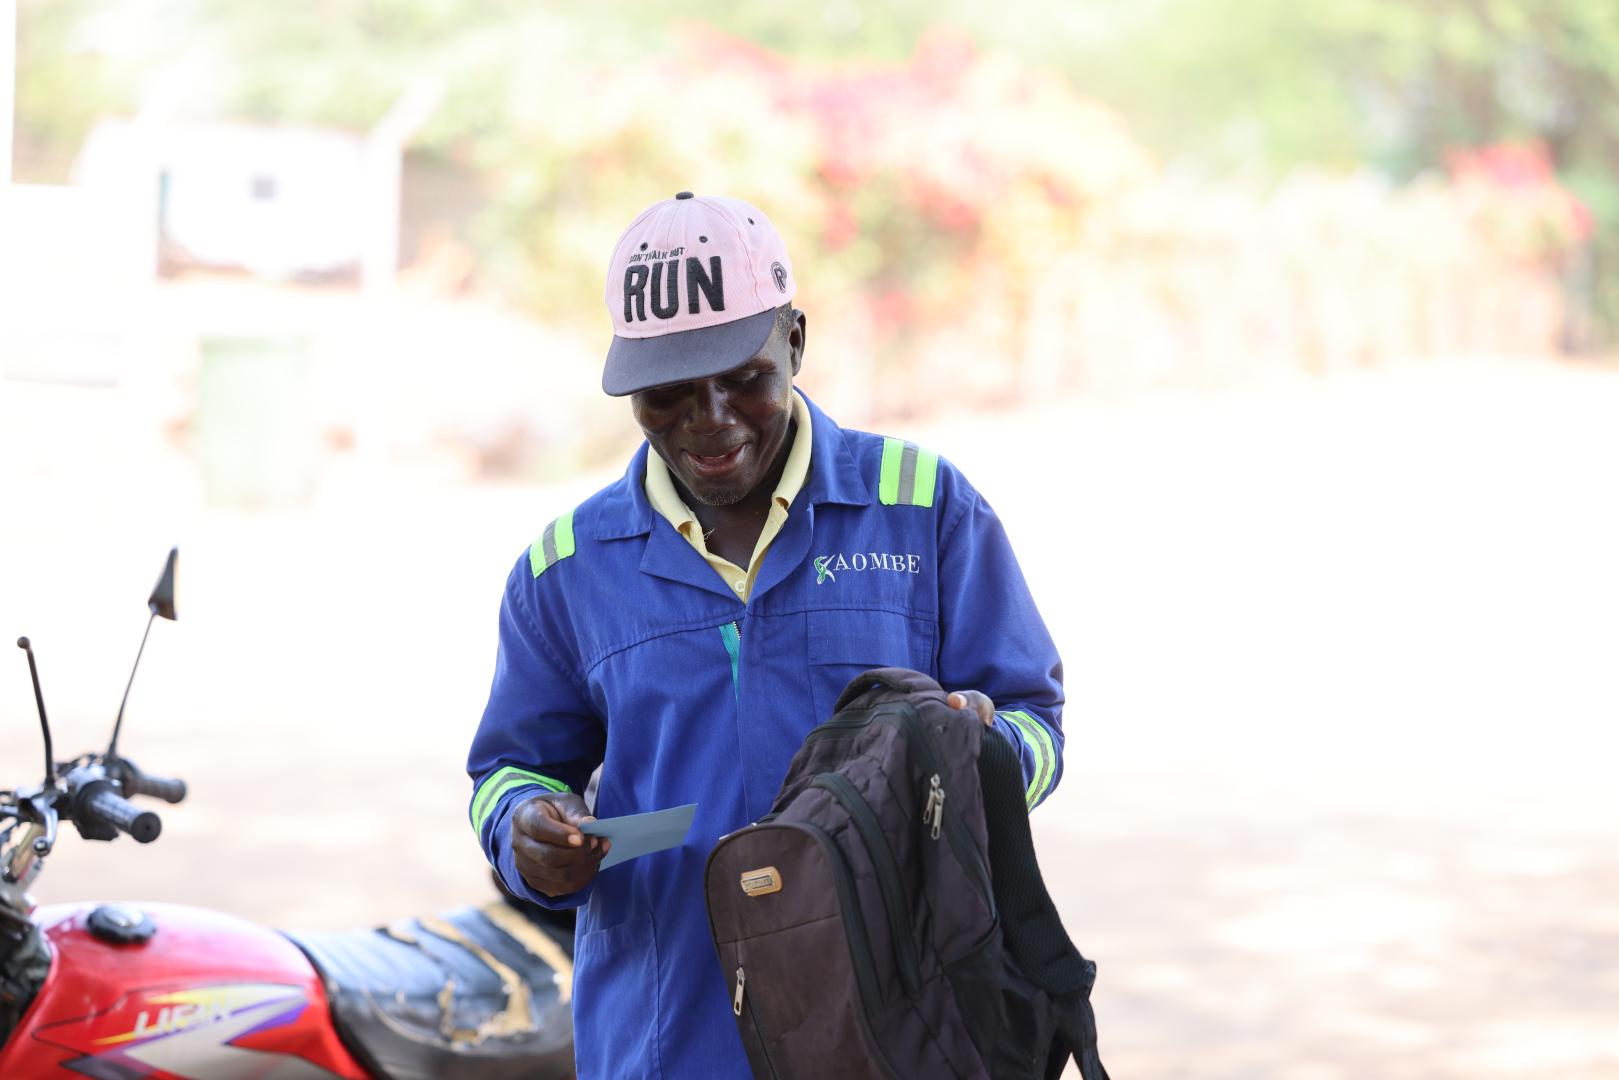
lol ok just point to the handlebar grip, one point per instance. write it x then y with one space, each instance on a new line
115 810
170 791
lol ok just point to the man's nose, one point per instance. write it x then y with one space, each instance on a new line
711 406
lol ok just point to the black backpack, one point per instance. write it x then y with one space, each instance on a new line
887 918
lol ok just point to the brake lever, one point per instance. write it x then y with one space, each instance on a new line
41 813
44 844
26 858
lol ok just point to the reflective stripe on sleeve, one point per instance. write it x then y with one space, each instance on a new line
1045 753
909 474
554 545
498 783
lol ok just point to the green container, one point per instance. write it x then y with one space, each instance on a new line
255 437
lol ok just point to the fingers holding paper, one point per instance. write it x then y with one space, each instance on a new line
553 856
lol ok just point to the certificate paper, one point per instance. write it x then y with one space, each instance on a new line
635 835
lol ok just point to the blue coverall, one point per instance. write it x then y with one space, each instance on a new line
620 647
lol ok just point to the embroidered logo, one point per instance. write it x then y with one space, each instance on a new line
895 562
663 271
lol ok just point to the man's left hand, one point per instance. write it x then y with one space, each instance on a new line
972 699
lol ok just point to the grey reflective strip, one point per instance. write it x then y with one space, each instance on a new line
1041 747
907 475
548 544
496 785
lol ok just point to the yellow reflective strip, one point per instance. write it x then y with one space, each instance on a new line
888 478
509 778
556 543
1045 753
564 535
511 783
1048 756
1034 748
927 475
480 797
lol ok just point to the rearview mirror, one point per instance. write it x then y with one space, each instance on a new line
161 602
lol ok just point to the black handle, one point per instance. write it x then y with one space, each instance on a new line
107 805
158 787
904 680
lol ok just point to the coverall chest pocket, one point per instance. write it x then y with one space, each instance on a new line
844 643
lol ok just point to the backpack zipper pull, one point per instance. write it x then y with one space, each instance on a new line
933 812
741 988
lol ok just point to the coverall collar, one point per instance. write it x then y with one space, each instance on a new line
834 479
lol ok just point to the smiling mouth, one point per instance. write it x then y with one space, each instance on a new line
715 464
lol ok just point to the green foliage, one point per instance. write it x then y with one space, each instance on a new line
1250 85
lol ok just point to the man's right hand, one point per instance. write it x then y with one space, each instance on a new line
553 856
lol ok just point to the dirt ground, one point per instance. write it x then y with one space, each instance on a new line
1342 656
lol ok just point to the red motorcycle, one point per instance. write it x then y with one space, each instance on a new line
120 991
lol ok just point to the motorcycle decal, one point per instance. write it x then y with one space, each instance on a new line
196 1033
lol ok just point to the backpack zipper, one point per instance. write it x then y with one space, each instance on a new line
888 879
933 810
955 833
753 1014
945 817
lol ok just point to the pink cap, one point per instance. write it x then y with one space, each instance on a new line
693 288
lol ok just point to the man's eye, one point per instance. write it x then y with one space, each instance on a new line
743 378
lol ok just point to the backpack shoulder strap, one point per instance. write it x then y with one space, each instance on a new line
1030 926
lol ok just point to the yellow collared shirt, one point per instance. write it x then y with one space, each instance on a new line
661 493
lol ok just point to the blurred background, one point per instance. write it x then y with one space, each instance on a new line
1281 335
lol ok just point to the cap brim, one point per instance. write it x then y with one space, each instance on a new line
636 364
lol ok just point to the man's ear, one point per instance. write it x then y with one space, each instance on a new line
796 339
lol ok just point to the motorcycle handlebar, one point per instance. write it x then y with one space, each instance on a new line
170 791
114 809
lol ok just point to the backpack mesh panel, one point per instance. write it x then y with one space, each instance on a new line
1029 921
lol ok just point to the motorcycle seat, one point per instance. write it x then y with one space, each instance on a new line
478 993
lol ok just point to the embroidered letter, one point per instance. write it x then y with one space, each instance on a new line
712 284
635 286
665 273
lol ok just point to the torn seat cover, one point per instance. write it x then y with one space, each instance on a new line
476 992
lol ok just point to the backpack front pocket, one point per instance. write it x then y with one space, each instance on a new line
889 885
793 945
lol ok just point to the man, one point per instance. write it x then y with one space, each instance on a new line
684 627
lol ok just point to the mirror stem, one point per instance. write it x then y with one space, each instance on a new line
112 747
44 724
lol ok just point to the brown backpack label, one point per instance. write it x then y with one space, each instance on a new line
761 882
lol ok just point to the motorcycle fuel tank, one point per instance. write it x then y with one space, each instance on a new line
204 996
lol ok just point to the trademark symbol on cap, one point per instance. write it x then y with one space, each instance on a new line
779 272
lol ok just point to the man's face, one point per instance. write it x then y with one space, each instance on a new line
721 435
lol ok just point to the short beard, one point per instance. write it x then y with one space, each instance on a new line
717 496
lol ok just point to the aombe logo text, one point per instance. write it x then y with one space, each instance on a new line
827 567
